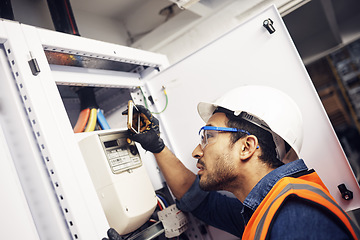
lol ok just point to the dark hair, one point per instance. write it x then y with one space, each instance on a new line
265 138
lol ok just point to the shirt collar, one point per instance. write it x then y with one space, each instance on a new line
262 188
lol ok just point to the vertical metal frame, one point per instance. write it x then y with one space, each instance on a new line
20 138
65 200
14 205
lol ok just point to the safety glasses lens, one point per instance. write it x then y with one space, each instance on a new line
207 137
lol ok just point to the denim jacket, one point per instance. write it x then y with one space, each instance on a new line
296 219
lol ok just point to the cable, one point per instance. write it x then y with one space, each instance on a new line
71 17
146 105
6 10
160 203
82 120
63 16
92 120
102 120
163 200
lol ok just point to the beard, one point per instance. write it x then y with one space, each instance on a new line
218 178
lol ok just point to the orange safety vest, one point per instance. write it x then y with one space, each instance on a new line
309 187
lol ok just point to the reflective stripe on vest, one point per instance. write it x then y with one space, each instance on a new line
259 224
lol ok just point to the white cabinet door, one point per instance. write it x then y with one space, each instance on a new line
250 55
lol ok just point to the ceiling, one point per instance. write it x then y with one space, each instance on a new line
321 26
138 16
316 27
120 10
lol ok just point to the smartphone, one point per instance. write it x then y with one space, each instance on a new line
133 121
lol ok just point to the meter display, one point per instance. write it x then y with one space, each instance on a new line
121 155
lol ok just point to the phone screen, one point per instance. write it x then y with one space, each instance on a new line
133 122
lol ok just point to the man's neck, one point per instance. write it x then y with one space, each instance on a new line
249 178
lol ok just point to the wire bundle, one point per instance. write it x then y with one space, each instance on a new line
90 114
88 118
161 202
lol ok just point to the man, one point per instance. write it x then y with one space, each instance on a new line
250 147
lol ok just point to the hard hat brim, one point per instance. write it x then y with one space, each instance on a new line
206 110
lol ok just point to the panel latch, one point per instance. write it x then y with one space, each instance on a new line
345 193
268 24
34 66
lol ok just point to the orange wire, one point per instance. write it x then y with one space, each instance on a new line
82 120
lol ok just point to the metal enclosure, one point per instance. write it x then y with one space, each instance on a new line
57 192
46 170
251 55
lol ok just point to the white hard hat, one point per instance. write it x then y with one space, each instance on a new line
280 113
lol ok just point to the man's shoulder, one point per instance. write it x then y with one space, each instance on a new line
305 219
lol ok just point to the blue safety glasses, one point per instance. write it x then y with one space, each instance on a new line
208 134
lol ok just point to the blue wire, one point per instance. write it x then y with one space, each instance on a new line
162 199
102 121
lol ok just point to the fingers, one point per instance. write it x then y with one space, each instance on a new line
145 111
125 112
141 108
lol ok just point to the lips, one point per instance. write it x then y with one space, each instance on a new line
200 167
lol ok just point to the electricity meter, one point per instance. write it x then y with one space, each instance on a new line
120 179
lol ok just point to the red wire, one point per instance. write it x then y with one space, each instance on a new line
71 22
160 206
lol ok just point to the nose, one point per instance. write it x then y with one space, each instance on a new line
198 152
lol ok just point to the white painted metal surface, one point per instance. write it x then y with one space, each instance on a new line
25 153
56 41
250 55
15 211
66 75
62 200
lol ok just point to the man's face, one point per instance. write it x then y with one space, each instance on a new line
217 161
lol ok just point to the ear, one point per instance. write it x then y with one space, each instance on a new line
249 145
